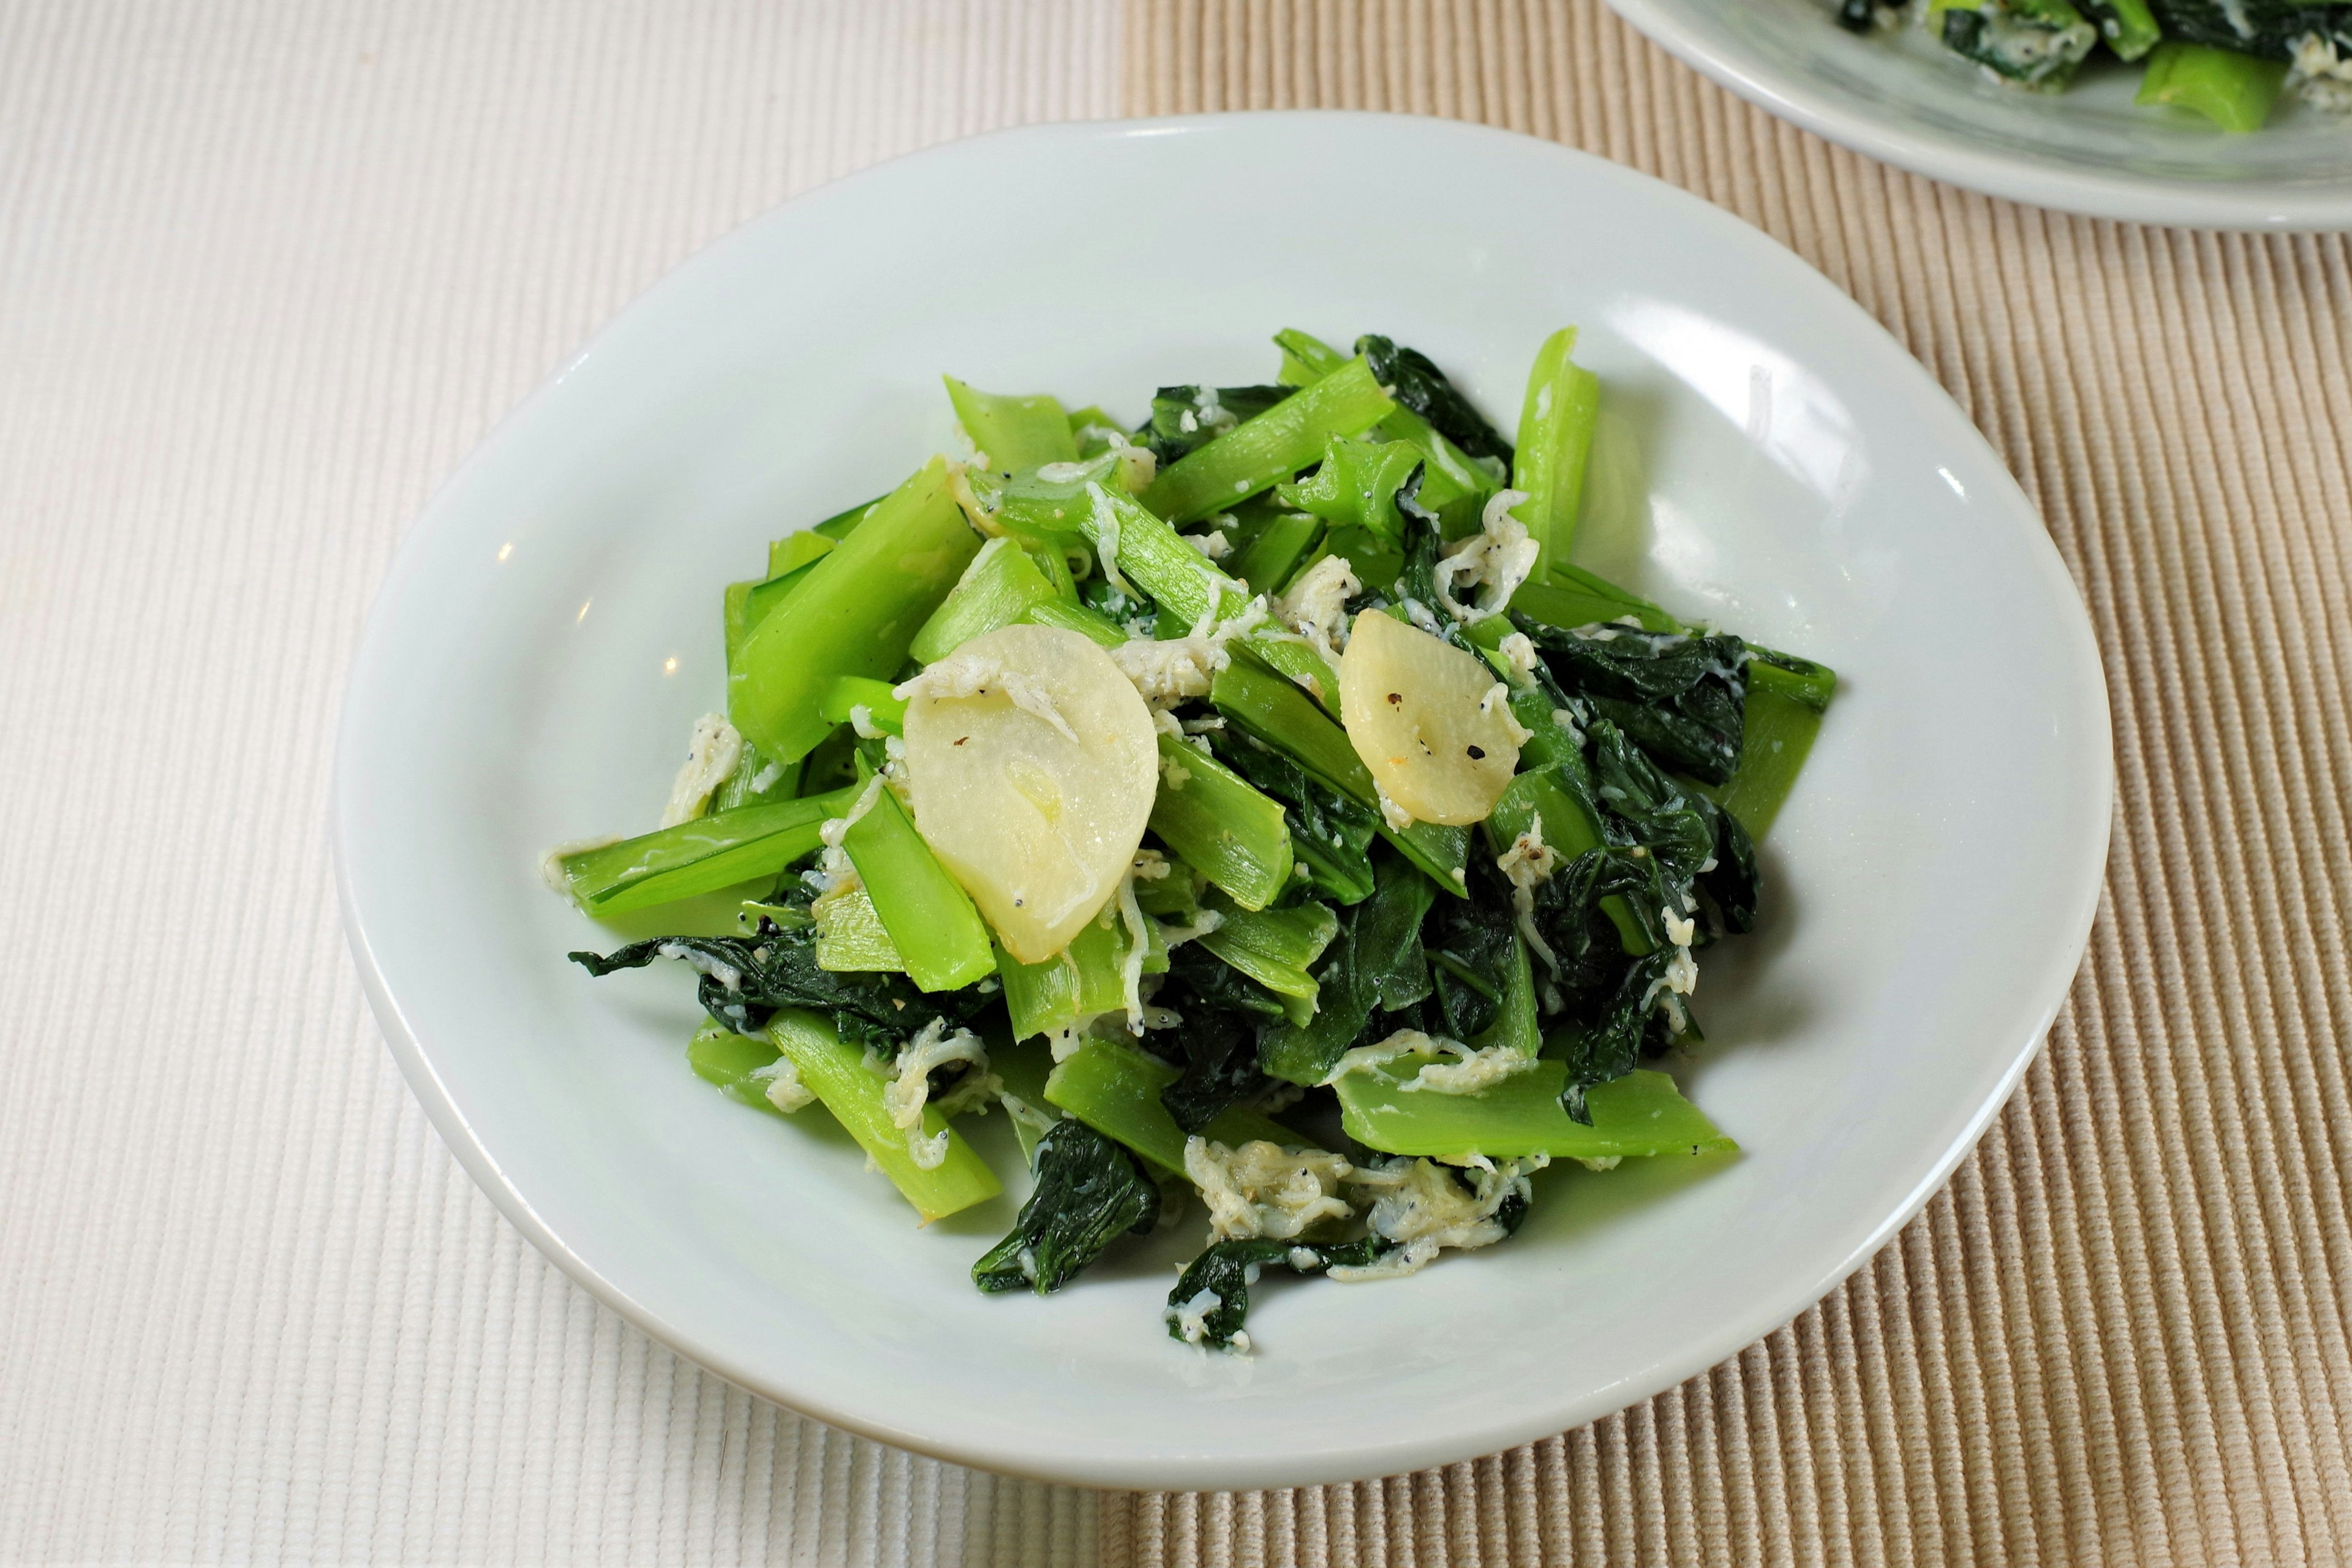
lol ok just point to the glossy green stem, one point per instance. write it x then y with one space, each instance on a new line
1216 820
835 1072
929 916
1275 948
855 614
1154 557
851 937
1257 453
1273 709
2234 91
999 585
1014 433
1114 1088
1641 1113
1556 425
699 857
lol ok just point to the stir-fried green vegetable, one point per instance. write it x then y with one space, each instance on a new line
2226 59
1255 802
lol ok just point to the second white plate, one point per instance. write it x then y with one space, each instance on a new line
1906 99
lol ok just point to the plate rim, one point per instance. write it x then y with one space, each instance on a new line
1361 1458
2243 205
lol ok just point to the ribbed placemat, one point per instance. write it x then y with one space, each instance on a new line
2120 1336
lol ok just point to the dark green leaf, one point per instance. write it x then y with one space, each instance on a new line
1329 834
745 979
1089 1192
1373 967
1420 386
1223 1012
1683 698
1229 1268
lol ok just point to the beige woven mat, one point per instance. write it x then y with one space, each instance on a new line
2121 1334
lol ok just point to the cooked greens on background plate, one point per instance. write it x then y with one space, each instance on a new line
1253 805
2227 59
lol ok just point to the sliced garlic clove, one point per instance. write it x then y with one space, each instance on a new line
1428 718
1031 765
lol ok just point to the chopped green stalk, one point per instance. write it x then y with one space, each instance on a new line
748 605
1077 618
756 780
1515 1027
1001 584
1078 982
1092 428
2128 27
1356 485
1212 817
1022 1068
697 856
884 712
929 916
1305 359
738 1065
1296 658
795 550
1641 1113
837 527
1257 453
1155 558
1556 425
851 938
835 1072
1376 965
853 613
1013 433
1276 552
2233 90
1277 712
1114 1088
1777 731
1574 597
1274 948
1455 487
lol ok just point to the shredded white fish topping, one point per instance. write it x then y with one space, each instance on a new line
1496 559
1423 1207
1527 865
2321 74
1265 1189
786 1090
711 754
1316 605
1473 1068
904 1096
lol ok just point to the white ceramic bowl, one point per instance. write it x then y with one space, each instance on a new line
1770 459
1905 98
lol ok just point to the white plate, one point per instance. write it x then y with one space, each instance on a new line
1771 457
1906 100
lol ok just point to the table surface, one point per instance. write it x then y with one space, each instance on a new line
268 270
